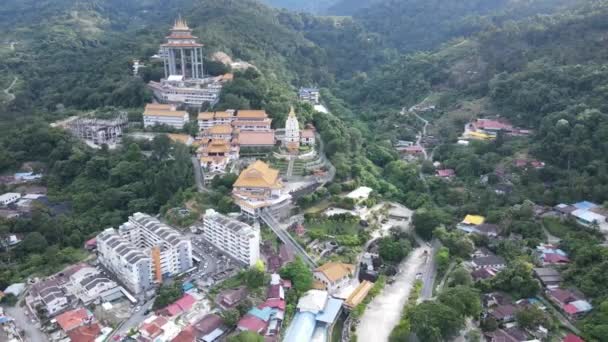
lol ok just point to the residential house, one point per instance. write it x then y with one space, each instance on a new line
73 319
549 277
85 333
229 299
164 114
503 313
570 302
484 273
572 338
492 261
547 254
316 314
445 173
334 275
210 328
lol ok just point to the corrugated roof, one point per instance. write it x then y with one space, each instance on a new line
473 219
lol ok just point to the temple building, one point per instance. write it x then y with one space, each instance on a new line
294 137
164 114
260 187
184 82
292 131
224 133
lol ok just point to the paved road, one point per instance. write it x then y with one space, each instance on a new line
384 311
133 321
430 272
24 323
7 91
280 231
289 172
198 174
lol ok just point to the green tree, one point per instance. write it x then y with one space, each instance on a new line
463 299
246 336
425 220
530 318
299 274
435 322
442 258
230 317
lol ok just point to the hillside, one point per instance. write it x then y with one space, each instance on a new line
412 25
311 6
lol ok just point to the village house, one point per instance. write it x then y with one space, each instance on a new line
494 262
570 302
230 298
333 276
550 255
549 277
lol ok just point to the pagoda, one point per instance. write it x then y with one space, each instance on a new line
182 54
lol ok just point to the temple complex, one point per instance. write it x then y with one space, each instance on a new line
184 82
258 187
294 137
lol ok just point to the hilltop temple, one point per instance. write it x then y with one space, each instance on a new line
184 82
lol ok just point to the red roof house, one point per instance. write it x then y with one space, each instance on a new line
273 303
186 335
252 323
90 244
445 173
85 333
554 258
572 338
181 305
73 319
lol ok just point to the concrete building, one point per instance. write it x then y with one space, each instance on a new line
99 131
236 238
164 114
144 251
259 187
315 316
89 285
184 81
333 276
132 267
310 95
9 198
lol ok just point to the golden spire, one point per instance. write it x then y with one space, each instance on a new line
292 113
180 23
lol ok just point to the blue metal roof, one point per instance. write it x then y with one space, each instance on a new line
331 310
301 328
584 205
263 314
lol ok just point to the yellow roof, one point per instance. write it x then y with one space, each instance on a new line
359 294
220 129
182 138
259 175
251 114
206 115
317 285
223 115
473 219
156 109
479 135
336 270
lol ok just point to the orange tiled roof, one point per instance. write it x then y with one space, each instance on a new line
219 129
156 109
259 175
251 114
336 270
72 319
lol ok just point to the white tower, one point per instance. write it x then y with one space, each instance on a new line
292 131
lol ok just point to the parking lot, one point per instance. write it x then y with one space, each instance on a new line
214 266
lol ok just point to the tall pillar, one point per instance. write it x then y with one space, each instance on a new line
195 64
192 65
164 51
201 61
181 52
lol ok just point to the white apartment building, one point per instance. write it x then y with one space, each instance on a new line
144 251
236 238
8 198
171 252
128 263
164 114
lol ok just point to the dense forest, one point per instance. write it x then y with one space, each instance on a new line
539 63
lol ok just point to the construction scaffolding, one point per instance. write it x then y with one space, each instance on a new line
99 131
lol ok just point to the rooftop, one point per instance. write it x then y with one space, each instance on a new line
251 114
256 138
473 220
73 319
357 296
336 270
259 175
156 109
85 333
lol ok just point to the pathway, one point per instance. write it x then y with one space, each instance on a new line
198 174
384 311
292 161
282 233
23 322
10 96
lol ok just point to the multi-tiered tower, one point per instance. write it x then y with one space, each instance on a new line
182 54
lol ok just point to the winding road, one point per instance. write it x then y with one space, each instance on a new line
10 96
